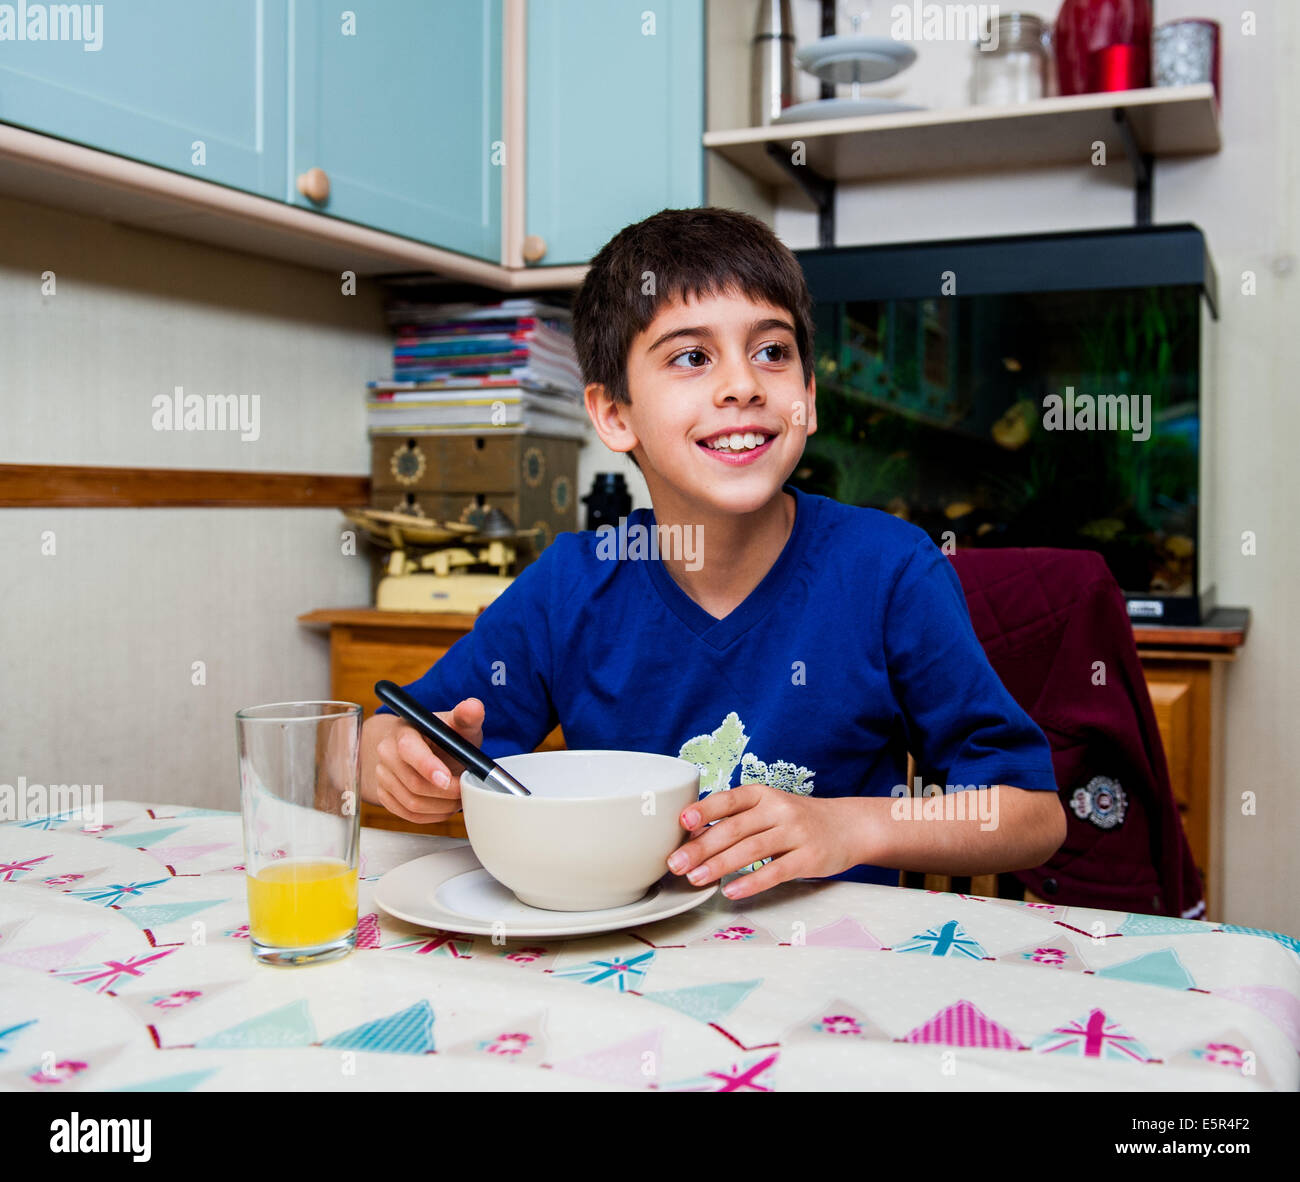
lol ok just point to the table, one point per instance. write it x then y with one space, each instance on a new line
124 966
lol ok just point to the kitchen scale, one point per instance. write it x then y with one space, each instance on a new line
430 567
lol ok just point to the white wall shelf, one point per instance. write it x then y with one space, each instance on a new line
1161 121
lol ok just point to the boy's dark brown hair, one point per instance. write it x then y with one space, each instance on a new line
670 255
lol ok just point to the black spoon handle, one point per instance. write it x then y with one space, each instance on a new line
448 740
432 727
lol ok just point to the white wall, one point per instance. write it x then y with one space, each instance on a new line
1246 199
97 641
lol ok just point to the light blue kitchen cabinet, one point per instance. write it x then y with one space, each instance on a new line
398 103
615 118
197 88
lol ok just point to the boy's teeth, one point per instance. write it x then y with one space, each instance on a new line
737 441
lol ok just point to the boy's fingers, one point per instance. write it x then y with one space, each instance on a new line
417 755
721 804
413 749
468 717
415 783
394 805
397 799
718 839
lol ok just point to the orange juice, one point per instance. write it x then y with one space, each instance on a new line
302 902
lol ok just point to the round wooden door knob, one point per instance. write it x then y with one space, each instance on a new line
534 248
314 184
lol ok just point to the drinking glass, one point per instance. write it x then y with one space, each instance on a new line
298 774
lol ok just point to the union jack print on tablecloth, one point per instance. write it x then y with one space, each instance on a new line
51 821
950 939
110 894
1094 1038
102 977
749 1075
13 871
446 943
619 972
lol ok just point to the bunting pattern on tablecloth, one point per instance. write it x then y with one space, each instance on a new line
712 998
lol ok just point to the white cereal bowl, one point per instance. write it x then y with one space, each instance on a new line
596 832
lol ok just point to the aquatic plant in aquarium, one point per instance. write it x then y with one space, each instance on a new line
1064 418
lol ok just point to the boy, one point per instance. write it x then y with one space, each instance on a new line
747 626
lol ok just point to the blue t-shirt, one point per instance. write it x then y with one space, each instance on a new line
856 647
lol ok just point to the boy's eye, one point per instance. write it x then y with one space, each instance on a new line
782 353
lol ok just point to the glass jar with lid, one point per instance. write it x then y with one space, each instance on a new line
1013 61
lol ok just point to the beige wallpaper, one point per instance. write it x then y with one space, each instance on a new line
99 640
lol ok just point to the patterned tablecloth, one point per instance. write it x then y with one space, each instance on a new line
125 966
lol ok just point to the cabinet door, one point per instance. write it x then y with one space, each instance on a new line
615 118
197 88
399 102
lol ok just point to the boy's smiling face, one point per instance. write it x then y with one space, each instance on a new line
720 363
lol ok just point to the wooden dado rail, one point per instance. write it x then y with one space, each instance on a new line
72 487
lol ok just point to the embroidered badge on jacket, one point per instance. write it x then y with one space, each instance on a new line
1102 801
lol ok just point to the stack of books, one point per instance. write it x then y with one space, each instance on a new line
475 369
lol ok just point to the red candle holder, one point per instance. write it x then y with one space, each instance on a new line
1103 45
1119 67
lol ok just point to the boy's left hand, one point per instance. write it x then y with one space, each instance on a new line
805 836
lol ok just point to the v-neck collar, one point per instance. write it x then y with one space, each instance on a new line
720 634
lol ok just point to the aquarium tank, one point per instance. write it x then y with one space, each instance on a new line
1042 390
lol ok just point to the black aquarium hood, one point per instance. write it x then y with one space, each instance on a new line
1080 260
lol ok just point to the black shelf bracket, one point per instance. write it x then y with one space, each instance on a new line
818 190
1144 168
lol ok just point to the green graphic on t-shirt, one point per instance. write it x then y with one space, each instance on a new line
788 777
718 754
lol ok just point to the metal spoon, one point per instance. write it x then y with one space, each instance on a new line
456 745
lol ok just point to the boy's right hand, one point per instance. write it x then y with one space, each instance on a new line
403 772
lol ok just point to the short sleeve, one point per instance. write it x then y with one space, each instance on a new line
504 661
962 723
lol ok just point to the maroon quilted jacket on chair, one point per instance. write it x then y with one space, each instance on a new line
1055 628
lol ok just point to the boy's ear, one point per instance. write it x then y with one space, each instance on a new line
812 403
607 418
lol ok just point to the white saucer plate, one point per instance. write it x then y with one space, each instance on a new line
855 59
450 890
842 108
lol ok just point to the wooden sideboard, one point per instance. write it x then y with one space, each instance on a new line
1184 669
